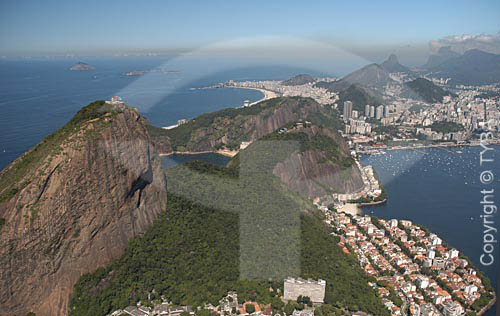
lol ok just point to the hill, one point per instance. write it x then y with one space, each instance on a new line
392 65
229 127
423 89
70 205
81 67
230 228
298 80
359 97
443 55
363 86
474 67
322 165
372 76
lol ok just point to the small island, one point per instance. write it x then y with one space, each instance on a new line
79 66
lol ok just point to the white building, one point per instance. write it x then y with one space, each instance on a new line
453 253
431 254
470 289
452 309
435 240
295 287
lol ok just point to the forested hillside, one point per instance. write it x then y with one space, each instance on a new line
229 228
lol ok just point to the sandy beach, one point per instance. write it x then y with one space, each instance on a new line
227 153
268 94
350 208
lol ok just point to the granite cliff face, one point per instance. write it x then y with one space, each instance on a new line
320 170
230 127
71 204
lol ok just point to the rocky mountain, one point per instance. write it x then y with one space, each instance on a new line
373 77
443 54
81 67
229 127
322 166
298 80
308 172
474 67
392 65
72 203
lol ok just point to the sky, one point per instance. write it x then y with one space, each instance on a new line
32 27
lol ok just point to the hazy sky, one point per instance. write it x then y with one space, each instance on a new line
44 27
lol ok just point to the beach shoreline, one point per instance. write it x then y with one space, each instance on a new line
369 151
226 153
268 94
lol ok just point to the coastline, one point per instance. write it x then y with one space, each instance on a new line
488 307
268 94
371 203
368 151
220 152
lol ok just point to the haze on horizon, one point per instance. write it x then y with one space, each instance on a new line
256 29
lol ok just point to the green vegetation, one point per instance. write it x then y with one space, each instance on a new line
359 98
14 173
346 282
390 130
190 254
227 122
446 127
244 233
156 131
318 142
250 308
424 89
328 118
2 222
306 300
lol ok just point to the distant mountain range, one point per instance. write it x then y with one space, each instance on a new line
474 67
367 85
444 54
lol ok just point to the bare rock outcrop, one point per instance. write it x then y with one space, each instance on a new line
97 184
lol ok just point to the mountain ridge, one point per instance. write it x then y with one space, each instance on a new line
474 67
71 204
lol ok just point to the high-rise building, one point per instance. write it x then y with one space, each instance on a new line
372 111
386 111
367 110
347 110
380 112
354 114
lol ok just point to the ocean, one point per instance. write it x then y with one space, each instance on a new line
38 97
437 188
440 189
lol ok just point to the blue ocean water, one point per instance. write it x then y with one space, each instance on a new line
440 189
434 187
176 159
39 96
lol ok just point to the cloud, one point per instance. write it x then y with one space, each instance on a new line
464 42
